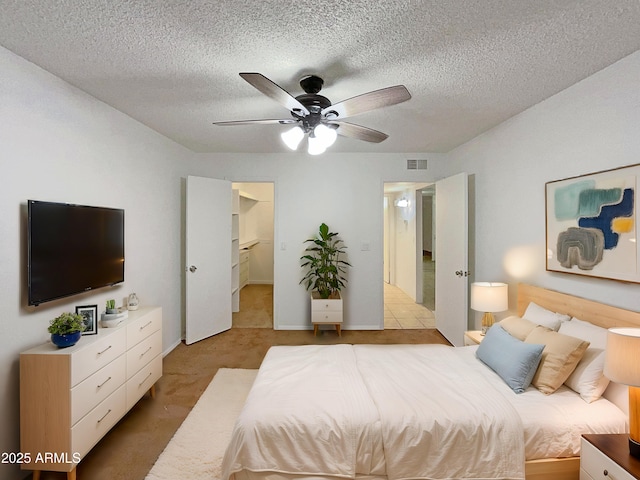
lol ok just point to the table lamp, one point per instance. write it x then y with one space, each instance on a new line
489 297
622 365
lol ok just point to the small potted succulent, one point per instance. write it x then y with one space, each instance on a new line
111 307
66 329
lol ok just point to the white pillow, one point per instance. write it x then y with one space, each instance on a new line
588 378
537 314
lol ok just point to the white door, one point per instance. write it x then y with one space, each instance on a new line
208 257
452 264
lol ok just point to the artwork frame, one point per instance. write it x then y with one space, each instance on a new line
591 226
90 315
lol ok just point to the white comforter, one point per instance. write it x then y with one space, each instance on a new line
343 410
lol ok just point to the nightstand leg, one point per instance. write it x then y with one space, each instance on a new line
36 475
315 329
338 329
152 391
71 475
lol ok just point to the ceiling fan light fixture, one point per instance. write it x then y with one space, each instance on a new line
293 137
325 134
316 146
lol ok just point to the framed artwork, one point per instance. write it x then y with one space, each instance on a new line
591 227
90 315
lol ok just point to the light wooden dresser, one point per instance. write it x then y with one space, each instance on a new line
71 397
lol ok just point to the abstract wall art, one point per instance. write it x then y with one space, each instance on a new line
591 225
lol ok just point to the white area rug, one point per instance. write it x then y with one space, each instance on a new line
197 448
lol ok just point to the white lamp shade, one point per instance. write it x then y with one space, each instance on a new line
293 137
325 134
489 296
622 358
316 147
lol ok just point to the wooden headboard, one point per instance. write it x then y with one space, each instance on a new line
597 313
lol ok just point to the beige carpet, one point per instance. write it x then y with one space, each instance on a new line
197 448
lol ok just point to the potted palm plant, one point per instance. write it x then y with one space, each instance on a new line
324 268
325 277
66 329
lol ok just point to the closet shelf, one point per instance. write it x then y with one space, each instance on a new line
249 244
248 196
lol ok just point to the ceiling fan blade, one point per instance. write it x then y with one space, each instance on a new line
275 92
367 101
359 132
257 122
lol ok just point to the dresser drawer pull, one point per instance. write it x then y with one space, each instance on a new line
145 326
104 416
102 384
142 382
145 352
100 353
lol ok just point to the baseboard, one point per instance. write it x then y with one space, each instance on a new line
171 347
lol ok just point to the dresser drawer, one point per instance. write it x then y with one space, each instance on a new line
88 431
326 317
143 353
595 464
141 382
244 256
141 328
96 355
93 390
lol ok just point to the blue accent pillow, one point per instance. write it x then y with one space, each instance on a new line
514 360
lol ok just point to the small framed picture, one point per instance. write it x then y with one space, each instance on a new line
90 315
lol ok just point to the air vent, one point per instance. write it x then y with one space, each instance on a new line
419 164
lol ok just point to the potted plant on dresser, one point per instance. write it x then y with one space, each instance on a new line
325 277
66 329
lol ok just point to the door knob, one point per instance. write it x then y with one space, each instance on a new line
193 268
461 273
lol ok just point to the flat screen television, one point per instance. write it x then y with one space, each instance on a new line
72 249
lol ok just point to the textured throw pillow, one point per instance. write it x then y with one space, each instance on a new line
541 316
588 378
515 361
560 356
517 327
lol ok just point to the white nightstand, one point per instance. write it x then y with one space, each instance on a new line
473 337
606 457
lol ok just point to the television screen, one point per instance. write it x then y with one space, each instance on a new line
72 249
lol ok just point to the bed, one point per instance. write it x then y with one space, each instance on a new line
367 412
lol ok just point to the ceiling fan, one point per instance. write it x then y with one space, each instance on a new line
313 114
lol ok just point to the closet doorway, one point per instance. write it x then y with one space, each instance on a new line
256 255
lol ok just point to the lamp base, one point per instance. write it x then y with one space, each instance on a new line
487 321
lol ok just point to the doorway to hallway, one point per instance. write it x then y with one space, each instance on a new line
409 256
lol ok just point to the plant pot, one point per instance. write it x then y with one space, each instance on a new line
112 310
66 340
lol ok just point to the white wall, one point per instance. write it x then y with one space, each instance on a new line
59 144
589 127
343 191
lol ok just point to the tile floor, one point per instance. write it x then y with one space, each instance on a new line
400 311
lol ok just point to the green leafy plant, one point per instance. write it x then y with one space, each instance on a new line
111 304
324 268
66 323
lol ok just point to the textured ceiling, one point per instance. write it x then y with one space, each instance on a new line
173 64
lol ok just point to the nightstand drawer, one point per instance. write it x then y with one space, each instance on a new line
326 305
326 317
598 466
